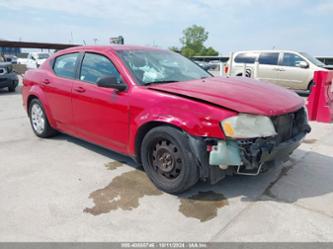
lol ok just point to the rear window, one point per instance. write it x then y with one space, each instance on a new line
65 65
246 58
269 58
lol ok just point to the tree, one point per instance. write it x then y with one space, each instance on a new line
174 49
193 41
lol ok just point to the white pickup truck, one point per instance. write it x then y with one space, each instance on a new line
33 59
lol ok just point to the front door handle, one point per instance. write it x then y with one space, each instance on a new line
46 81
79 89
279 69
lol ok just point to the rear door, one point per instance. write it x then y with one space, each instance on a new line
268 62
100 114
57 86
290 74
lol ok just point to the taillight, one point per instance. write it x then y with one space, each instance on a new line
226 69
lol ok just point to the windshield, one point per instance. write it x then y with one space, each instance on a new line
43 56
313 60
159 66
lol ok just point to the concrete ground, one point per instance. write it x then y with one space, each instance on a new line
64 189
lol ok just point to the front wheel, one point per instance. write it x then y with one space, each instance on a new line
38 120
168 160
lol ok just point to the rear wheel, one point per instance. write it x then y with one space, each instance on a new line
39 123
311 85
168 160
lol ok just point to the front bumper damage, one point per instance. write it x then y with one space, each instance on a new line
251 156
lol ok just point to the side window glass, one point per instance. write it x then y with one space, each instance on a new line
291 60
269 58
94 67
64 65
246 58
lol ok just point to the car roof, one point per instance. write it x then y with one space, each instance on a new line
104 48
267 51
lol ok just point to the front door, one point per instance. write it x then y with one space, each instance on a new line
290 74
100 114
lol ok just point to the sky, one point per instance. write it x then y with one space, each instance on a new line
233 25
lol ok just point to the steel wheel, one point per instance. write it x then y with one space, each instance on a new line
166 159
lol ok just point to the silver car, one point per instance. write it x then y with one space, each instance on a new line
290 69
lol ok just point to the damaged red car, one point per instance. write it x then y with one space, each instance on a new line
177 120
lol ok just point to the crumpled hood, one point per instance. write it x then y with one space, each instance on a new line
239 94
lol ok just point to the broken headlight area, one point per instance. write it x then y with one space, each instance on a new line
280 136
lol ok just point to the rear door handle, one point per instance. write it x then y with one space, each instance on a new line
46 81
79 89
279 69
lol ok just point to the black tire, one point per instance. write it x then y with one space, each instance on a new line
311 84
47 130
167 159
11 89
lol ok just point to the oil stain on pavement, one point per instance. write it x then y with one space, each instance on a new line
113 165
202 206
123 193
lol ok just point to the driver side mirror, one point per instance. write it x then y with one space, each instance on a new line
111 82
303 64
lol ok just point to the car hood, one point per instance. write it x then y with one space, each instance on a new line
239 94
329 67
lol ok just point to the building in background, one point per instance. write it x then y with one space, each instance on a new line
9 50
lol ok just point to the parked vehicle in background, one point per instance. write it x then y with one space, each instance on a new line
8 78
290 69
203 64
165 111
34 59
11 59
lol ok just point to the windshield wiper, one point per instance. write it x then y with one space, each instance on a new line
160 82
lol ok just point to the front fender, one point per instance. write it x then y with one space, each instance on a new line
196 118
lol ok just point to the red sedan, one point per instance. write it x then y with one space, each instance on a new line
181 123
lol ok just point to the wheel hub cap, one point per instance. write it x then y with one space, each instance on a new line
166 159
37 118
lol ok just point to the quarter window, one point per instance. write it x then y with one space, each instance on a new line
65 65
94 67
291 60
269 58
246 58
